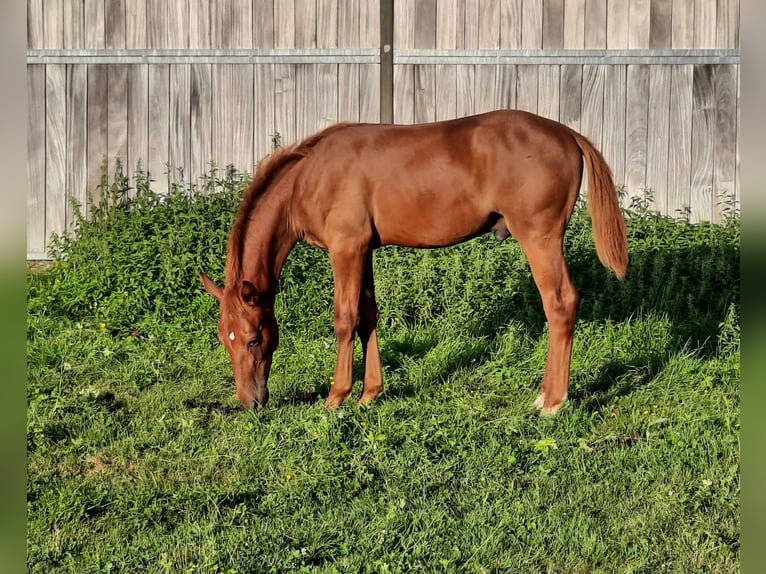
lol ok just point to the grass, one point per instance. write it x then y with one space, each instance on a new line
140 461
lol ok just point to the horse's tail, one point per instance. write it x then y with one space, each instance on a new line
609 229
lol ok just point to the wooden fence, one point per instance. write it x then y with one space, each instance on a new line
177 85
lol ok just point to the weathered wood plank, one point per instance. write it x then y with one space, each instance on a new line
55 149
159 125
447 24
327 24
679 160
306 105
446 92
53 24
425 24
553 24
510 24
117 117
682 31
505 86
727 24
369 85
284 102
284 24
138 117
179 25
592 124
658 143
36 236
526 87
574 24
532 25
704 23
636 122
404 93
76 137
703 130
98 81
639 24
233 115
348 23
263 116
135 23
349 94
549 94
404 25
115 24
617 24
369 25
465 80
327 94
571 96
489 24
660 18
615 97
471 25
725 135
425 93
484 88
179 155
263 24
74 25
595 24
95 22
35 28
157 35
305 23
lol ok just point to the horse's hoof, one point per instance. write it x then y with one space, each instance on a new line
539 401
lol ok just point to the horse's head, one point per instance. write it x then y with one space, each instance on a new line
248 330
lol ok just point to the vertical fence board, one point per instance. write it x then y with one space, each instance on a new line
425 93
548 97
617 24
505 86
639 22
489 24
159 125
305 23
179 25
404 94
53 24
447 24
465 80
36 234
595 24
571 95
425 24
532 24
349 94
135 23
510 24
682 30
526 87
615 97
284 24
327 22
446 92
138 117
404 24
703 124
592 123
200 120
263 115
574 24
157 35
553 24
306 108
658 135
115 24
95 36
704 23
369 84
180 116
74 25
284 102
263 24
636 128
727 24
471 25
660 20
327 94
98 81
369 25
348 23
679 160
35 28
484 92
76 136
725 134
117 117
55 148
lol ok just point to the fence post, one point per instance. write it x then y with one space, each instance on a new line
386 61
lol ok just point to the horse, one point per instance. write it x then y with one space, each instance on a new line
353 187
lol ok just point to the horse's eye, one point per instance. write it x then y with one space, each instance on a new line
254 342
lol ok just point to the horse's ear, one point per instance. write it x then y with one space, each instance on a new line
210 286
249 293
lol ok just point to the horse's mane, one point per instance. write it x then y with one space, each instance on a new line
266 173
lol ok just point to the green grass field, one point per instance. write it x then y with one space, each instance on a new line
139 459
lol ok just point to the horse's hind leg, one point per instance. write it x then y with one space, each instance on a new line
560 302
368 320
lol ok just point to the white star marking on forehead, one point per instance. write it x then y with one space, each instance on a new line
231 336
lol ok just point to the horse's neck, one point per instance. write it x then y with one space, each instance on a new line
268 240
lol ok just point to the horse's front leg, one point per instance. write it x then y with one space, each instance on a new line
368 320
347 269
